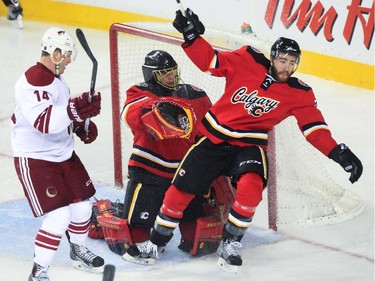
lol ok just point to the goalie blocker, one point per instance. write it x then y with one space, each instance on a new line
199 236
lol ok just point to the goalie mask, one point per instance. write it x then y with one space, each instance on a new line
285 46
58 38
162 68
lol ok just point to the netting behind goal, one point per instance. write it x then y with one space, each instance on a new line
300 189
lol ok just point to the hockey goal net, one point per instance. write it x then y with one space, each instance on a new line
300 192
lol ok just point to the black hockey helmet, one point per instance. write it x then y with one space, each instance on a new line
286 46
158 63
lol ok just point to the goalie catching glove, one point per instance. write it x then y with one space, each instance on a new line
169 118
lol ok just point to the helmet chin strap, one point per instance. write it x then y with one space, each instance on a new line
57 64
57 69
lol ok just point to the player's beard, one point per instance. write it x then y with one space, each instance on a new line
281 76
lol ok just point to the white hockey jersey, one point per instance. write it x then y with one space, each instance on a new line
41 126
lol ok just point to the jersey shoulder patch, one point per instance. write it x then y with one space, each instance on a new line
188 91
39 75
258 56
141 85
294 82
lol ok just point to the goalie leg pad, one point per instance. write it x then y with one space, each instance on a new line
223 191
95 231
116 233
98 207
202 236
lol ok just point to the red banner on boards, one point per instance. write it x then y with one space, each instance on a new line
318 17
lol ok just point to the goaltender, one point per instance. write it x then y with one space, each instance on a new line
162 114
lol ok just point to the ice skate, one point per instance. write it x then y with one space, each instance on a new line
143 253
15 16
39 273
229 258
86 260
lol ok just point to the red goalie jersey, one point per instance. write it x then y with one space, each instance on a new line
160 157
253 101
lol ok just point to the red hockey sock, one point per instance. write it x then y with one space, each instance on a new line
175 202
248 194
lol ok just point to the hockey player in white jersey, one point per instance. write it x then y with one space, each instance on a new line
55 182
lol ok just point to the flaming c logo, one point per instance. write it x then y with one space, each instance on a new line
181 172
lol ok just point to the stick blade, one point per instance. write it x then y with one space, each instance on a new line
109 272
79 33
82 39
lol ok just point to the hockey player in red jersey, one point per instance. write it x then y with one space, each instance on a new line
162 114
55 182
259 94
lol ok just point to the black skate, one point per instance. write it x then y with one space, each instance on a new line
39 273
143 253
229 258
15 15
86 260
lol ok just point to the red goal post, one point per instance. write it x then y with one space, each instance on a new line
300 190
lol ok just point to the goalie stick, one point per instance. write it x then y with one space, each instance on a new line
82 39
109 272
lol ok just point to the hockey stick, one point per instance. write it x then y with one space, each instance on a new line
109 272
183 11
82 39
181 8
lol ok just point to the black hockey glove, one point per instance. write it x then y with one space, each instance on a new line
346 158
190 26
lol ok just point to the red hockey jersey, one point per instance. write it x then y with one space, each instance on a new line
160 157
253 101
